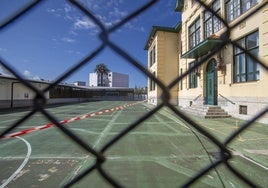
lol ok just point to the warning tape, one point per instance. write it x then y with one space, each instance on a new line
66 121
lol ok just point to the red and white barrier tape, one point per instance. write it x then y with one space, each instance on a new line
66 121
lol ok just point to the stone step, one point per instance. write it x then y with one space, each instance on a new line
207 111
216 116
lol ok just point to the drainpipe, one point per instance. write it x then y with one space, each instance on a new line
12 91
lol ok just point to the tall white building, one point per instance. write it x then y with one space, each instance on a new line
113 79
95 80
118 79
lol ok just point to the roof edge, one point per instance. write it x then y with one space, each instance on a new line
154 29
179 6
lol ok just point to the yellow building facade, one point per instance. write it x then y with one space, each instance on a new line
163 48
231 78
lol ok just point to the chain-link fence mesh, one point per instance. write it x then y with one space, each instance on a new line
40 100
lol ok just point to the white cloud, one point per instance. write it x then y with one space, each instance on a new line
67 8
26 73
84 23
96 7
73 52
68 40
51 10
109 13
72 32
112 3
142 29
117 13
57 12
29 75
36 77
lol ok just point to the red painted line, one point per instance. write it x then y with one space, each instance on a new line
66 121
44 127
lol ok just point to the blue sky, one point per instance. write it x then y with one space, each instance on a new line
56 35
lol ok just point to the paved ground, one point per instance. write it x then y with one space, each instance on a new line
163 151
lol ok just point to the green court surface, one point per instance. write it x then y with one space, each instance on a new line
161 152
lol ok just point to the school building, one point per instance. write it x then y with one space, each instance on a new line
231 79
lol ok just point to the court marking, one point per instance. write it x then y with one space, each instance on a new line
161 121
132 133
26 159
44 157
170 116
106 129
66 121
237 153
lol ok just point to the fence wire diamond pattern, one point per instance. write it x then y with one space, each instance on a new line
40 101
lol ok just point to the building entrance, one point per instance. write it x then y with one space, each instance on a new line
211 83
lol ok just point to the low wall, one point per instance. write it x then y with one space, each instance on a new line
4 104
28 102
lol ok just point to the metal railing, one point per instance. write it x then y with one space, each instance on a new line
40 100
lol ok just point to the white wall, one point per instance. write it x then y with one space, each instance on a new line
118 79
93 79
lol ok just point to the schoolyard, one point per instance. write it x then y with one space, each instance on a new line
162 151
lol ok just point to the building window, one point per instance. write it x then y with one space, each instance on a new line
152 84
235 8
181 86
192 77
194 33
152 56
243 109
212 23
245 68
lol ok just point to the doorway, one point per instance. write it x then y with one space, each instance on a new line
211 83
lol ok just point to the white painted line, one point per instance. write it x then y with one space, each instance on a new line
106 130
254 162
22 165
238 153
45 157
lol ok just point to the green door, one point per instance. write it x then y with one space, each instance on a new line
211 83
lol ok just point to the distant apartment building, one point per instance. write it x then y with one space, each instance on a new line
79 83
95 80
118 79
112 79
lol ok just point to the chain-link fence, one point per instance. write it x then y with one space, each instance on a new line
40 100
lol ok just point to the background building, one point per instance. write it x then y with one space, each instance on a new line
118 79
79 83
112 79
95 80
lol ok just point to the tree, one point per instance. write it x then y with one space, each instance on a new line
101 69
